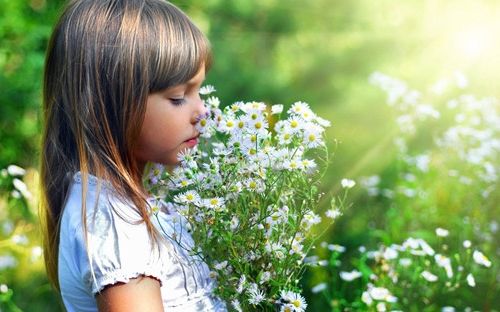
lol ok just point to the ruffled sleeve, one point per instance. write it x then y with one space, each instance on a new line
119 248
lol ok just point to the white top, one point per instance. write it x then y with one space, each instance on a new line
120 250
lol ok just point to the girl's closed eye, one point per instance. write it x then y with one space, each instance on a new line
177 101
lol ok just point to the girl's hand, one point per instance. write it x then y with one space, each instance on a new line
139 294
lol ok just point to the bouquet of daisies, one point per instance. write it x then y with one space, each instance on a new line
250 195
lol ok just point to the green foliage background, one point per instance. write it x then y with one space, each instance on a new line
318 51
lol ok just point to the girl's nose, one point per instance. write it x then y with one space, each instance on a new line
201 110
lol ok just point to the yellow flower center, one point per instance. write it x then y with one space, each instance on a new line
241 124
214 201
312 137
230 124
296 303
294 123
258 125
203 122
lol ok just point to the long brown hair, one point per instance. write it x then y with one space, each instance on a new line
104 58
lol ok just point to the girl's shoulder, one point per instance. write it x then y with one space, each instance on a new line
104 208
117 244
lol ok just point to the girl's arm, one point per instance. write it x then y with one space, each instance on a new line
139 294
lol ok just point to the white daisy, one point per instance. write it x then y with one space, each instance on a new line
295 124
253 107
292 164
299 107
312 138
233 224
189 197
295 299
241 284
213 102
236 305
322 122
227 125
215 203
276 109
205 90
256 295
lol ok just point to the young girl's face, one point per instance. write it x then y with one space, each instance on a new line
169 122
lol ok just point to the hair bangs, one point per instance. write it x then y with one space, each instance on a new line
178 48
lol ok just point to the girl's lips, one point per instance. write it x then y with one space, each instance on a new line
192 142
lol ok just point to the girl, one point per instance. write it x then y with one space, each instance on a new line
120 90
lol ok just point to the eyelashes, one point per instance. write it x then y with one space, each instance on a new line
177 102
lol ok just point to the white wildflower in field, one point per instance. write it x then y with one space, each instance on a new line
390 253
405 262
481 259
350 276
14 170
337 248
347 183
428 276
445 263
319 288
366 298
22 188
470 280
418 247
379 293
4 289
442 232
333 213
466 243
381 307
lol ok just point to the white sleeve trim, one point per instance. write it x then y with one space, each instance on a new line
124 276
